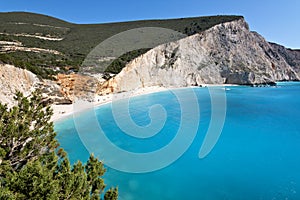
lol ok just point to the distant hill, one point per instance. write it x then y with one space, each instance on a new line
43 44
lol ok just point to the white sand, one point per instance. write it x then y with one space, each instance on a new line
62 111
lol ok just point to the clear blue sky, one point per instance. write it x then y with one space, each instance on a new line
278 21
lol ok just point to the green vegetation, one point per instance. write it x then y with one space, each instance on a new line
118 64
80 39
30 166
42 64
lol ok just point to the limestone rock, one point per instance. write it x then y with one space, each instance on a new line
226 53
77 86
14 79
291 56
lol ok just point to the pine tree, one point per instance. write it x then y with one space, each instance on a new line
26 133
30 167
111 194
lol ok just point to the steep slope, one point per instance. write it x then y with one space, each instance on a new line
226 53
219 49
58 43
292 57
13 79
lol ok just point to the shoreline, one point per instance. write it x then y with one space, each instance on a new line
63 111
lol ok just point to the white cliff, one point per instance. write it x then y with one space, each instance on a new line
226 53
14 79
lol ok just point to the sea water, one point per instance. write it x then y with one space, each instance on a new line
257 155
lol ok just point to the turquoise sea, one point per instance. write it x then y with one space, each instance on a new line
257 155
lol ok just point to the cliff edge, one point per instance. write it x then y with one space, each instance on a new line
227 53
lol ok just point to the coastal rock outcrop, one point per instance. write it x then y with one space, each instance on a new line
291 56
14 79
226 53
77 85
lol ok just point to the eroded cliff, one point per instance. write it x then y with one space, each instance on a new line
14 79
292 56
226 53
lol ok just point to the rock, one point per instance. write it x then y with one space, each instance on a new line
14 79
226 53
77 85
292 57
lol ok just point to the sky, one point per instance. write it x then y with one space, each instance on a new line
278 21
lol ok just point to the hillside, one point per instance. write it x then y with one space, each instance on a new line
227 53
291 56
42 43
214 50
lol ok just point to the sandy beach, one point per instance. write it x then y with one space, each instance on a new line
62 111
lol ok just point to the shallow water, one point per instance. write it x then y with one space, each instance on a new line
256 156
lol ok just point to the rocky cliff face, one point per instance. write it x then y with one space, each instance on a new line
292 57
76 85
226 53
14 79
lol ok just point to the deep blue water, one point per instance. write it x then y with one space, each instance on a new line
256 157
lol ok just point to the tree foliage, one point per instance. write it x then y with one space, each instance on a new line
25 131
32 167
